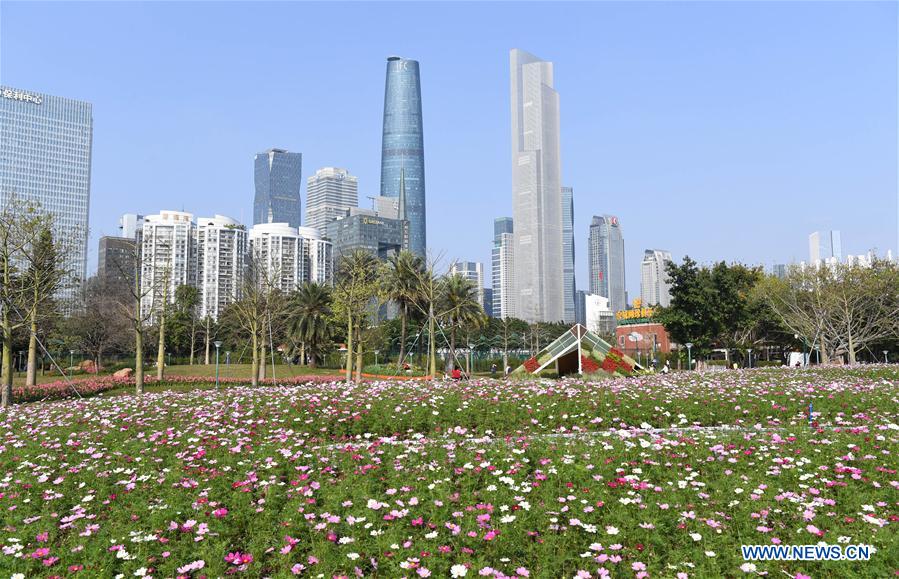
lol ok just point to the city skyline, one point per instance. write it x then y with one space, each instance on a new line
630 148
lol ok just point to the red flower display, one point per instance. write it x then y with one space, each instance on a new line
609 365
531 364
589 365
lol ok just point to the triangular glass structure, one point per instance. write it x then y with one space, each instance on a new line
579 351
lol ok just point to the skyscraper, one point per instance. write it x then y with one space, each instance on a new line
536 190
46 158
568 282
221 244
502 275
822 247
605 249
402 147
329 193
116 262
654 284
278 177
473 271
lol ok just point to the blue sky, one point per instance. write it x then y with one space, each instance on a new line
720 130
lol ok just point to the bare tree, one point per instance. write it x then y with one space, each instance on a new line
258 293
130 304
21 224
356 285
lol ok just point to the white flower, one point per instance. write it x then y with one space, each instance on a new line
456 570
373 504
352 556
17 576
142 572
696 537
709 553
507 519
610 530
748 567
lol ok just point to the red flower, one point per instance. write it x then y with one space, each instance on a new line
531 364
589 365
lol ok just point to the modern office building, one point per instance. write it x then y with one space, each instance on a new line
329 193
473 271
117 262
221 244
605 251
402 147
130 225
655 287
45 158
569 284
825 247
291 256
780 270
364 229
278 177
580 307
502 275
536 190
488 302
167 258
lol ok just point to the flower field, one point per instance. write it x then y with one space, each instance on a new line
662 476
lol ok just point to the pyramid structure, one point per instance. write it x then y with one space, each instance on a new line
580 351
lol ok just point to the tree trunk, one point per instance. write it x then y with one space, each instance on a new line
359 350
193 339
432 346
262 363
403 314
254 370
349 348
851 349
98 359
451 363
160 353
32 352
207 339
302 353
138 360
6 398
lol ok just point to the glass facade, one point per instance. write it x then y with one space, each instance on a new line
278 178
501 274
568 282
536 191
45 157
402 147
380 236
606 253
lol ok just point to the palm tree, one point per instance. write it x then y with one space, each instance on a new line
401 285
311 308
460 307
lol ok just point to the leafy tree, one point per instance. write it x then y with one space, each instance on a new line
459 300
401 285
182 323
310 311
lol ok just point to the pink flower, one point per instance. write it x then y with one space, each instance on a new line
219 513
523 572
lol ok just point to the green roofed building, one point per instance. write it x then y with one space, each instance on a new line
579 351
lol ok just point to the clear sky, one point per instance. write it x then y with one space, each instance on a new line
720 130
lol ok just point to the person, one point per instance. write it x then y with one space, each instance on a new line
666 368
493 370
457 374
508 370
407 368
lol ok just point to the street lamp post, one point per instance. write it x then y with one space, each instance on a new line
218 345
376 357
749 355
886 356
71 359
228 358
689 346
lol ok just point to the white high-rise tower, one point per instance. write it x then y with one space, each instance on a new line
536 190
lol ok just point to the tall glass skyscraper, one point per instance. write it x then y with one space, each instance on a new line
606 254
568 283
278 179
45 157
502 274
402 147
536 190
